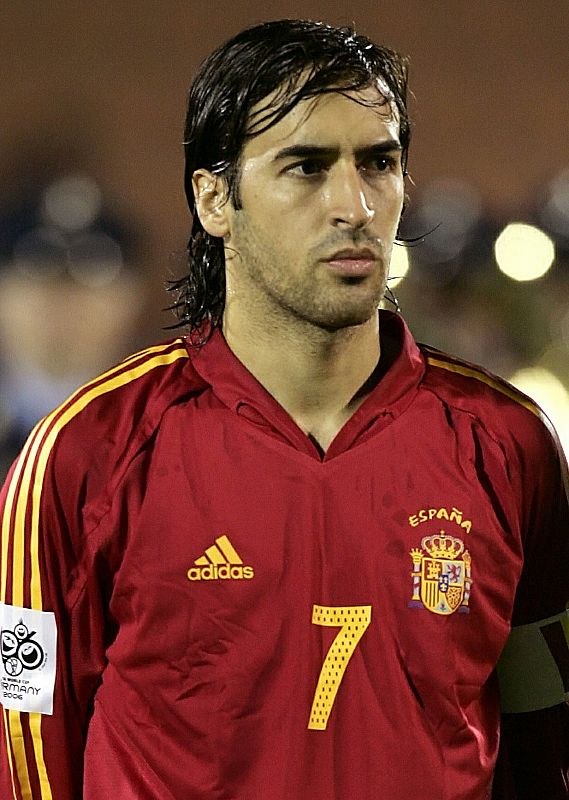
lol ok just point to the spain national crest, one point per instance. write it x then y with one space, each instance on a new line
442 575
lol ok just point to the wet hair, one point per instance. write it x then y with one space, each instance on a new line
288 60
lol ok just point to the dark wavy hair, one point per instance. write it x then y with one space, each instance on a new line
289 60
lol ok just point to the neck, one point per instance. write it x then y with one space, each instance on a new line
318 376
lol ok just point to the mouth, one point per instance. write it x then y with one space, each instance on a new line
356 263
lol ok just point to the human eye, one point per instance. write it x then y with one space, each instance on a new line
306 168
381 163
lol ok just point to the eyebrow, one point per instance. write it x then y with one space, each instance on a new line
318 151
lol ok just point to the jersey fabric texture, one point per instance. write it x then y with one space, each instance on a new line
241 617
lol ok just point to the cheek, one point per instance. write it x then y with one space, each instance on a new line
395 205
399 191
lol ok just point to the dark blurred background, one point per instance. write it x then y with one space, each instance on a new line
93 220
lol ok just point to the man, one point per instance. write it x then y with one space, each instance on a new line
281 557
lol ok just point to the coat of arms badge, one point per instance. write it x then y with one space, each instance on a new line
442 575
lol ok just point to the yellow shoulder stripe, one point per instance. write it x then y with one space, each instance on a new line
503 388
513 394
35 456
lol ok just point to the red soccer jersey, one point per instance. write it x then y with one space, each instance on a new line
240 617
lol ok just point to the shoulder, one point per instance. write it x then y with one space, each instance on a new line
507 414
129 397
86 444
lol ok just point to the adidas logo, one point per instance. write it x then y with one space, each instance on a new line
220 562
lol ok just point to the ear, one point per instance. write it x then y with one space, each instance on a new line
212 202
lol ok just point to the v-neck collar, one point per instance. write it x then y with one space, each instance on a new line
241 392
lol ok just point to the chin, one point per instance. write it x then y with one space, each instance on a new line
344 318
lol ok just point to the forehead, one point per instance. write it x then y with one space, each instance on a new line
333 119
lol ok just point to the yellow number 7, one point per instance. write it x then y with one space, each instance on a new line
352 621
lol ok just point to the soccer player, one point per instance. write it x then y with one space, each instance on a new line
281 557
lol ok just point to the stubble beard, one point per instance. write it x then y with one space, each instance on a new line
265 281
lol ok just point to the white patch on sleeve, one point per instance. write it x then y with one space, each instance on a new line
27 671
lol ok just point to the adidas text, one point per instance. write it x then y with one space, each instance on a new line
213 572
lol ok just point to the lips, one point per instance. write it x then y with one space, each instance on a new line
350 254
353 263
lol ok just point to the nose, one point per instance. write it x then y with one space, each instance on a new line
347 203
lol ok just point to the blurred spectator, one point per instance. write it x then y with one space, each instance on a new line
70 301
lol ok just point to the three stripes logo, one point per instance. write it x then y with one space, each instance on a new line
220 562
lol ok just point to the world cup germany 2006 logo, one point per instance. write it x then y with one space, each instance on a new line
20 651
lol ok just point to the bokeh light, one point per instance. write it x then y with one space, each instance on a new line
399 266
554 213
449 210
524 252
549 393
72 202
